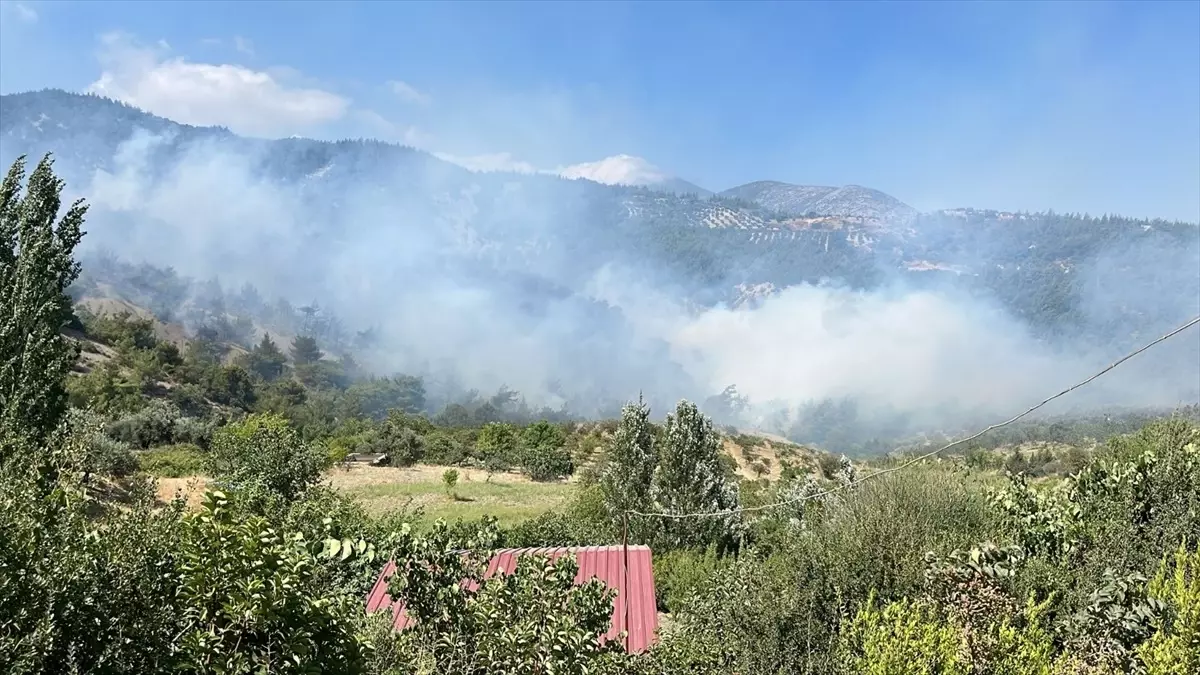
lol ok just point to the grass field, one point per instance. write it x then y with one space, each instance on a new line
509 497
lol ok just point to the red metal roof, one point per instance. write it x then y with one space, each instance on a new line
605 563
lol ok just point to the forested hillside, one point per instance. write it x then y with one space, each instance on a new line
1080 556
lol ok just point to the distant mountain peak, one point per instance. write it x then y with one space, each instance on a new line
847 201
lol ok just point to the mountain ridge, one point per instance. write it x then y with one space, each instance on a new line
765 234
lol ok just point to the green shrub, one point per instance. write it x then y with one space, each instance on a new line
148 427
403 446
172 461
583 522
681 574
121 330
104 389
263 450
542 463
190 400
463 629
449 480
444 448
498 440
194 431
1175 645
902 638
73 601
252 600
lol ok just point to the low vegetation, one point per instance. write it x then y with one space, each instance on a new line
973 564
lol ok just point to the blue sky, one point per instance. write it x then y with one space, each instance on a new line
1073 106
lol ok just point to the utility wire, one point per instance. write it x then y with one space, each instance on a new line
919 458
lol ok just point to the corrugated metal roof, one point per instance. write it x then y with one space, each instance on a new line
606 563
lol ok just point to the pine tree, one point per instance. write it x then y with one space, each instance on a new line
36 268
690 478
305 350
632 457
267 360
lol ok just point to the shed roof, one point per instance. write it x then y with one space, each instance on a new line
606 563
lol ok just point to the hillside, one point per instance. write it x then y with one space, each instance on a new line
850 201
550 285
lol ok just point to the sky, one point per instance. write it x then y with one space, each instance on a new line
1091 107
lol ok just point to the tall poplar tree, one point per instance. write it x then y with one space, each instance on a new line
37 266
690 478
632 457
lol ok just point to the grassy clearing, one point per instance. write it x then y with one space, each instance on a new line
511 498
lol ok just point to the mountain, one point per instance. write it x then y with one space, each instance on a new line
629 170
359 223
851 200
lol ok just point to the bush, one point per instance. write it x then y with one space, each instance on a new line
1175 645
449 480
193 431
190 400
172 461
471 628
109 457
105 390
683 573
544 455
443 448
404 447
903 638
252 600
72 601
584 522
264 450
148 427
500 441
544 463
122 330
101 454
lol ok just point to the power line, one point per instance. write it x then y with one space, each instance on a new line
919 458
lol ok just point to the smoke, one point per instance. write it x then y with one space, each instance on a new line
491 280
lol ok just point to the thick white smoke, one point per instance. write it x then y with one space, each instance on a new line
407 259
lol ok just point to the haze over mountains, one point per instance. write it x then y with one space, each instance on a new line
587 291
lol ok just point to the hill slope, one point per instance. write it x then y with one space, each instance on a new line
852 201
567 279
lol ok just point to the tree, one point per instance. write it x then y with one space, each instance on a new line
254 600
632 456
690 478
498 440
449 480
36 268
266 359
264 451
532 619
305 350
726 407
543 454
400 392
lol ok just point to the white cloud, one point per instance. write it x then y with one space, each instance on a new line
616 170
409 93
497 161
245 100
19 10
243 45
